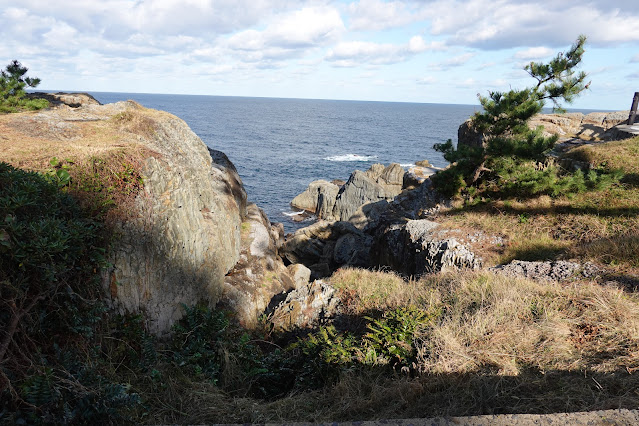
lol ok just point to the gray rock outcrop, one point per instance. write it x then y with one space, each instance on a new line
382 234
558 270
325 246
592 126
73 100
184 235
306 306
319 198
259 274
331 202
413 247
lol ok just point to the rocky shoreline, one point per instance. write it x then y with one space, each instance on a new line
193 237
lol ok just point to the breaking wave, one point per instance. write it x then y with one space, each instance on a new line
351 157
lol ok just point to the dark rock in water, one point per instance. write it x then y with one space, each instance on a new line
339 200
306 306
319 196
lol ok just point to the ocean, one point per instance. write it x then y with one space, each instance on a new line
280 145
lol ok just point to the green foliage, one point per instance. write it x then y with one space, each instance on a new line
197 341
513 158
390 339
13 81
50 251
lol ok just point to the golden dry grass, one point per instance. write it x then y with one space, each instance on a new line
30 140
500 345
103 150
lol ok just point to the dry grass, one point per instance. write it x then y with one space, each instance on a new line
612 155
599 226
362 290
499 346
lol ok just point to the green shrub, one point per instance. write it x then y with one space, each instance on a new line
50 310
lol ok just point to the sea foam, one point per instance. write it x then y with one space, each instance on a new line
351 157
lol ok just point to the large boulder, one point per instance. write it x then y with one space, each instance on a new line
185 234
413 247
378 183
309 305
318 198
182 233
333 202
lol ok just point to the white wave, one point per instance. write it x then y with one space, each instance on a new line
351 157
290 214
407 165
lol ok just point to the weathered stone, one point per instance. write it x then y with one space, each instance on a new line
323 247
186 235
301 274
412 247
549 270
73 100
306 306
318 198
259 274
359 190
468 135
415 176
423 163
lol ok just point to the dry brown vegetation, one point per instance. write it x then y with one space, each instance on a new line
499 346
104 157
599 226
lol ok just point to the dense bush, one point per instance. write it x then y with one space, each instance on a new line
50 253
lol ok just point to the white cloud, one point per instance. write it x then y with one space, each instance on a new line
498 24
354 53
426 80
534 53
374 15
303 28
455 61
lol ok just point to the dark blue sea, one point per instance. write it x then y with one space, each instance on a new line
280 145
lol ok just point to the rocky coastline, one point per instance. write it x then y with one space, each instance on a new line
192 236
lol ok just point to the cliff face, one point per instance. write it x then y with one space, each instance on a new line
179 236
185 236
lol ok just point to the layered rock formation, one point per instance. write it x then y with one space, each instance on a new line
592 127
331 202
188 236
393 235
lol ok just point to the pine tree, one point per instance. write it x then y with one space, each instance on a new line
13 82
509 145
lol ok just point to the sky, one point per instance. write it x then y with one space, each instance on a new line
432 51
